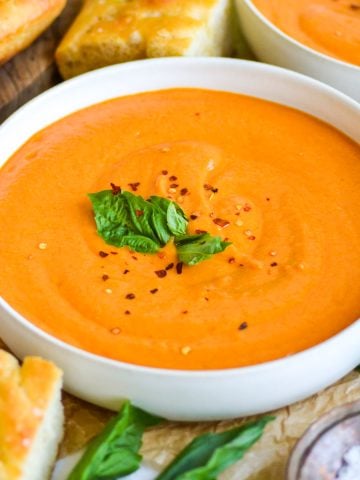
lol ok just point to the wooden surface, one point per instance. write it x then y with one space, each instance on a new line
33 70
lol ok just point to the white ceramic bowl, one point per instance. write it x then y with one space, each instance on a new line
271 45
185 395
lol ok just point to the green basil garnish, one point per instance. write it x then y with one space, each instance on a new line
115 452
210 454
145 226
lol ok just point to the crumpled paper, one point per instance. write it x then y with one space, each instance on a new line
265 461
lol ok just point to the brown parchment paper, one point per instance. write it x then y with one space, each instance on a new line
265 461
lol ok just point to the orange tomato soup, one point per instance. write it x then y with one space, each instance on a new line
286 184
328 26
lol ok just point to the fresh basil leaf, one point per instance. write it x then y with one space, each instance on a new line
210 454
193 249
114 453
176 220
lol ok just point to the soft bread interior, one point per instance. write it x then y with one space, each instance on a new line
42 455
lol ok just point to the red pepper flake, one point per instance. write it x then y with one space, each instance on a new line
103 254
115 189
207 186
179 268
197 114
206 298
164 172
241 264
243 326
126 271
169 267
252 237
134 186
354 6
200 232
139 213
193 217
174 185
184 191
184 312
105 277
221 222
154 290
172 178
267 199
114 253
161 273
247 207
161 255
273 264
127 312
130 296
133 256
231 260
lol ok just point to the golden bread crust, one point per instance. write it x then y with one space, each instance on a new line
107 32
22 21
25 394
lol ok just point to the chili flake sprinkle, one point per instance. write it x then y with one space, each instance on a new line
193 217
247 207
134 186
161 273
252 237
200 232
116 189
127 312
273 264
172 178
154 290
207 186
184 312
184 191
130 296
221 222
174 185
243 326
103 254
231 260
114 253
126 271
354 6
179 268
164 172
105 277
169 267
139 213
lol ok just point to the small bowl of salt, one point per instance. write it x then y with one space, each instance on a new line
330 448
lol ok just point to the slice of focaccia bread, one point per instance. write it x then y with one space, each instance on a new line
31 417
107 32
21 21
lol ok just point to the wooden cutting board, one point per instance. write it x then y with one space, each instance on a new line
33 70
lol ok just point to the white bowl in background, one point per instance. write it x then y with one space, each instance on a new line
174 394
272 45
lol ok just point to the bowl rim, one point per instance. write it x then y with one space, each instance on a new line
285 37
132 367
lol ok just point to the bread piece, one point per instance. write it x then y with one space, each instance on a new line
21 21
107 32
31 417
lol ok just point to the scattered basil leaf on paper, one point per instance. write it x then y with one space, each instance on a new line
124 219
210 454
193 249
115 452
